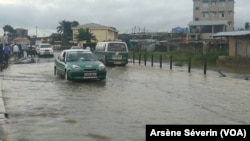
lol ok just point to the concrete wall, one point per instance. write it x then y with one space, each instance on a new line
244 41
234 64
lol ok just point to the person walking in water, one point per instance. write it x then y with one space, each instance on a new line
16 52
6 51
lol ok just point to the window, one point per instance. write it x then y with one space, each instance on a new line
197 8
214 2
206 29
213 13
205 3
193 29
221 14
197 19
205 15
239 49
222 3
218 28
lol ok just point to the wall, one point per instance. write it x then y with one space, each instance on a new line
244 40
234 64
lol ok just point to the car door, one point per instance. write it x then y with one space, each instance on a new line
60 63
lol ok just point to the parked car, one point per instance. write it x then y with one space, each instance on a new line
31 51
45 49
79 64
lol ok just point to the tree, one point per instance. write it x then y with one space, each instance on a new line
8 28
74 24
85 35
65 30
247 25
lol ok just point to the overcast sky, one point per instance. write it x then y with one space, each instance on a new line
153 15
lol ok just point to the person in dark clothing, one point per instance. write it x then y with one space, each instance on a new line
20 51
6 51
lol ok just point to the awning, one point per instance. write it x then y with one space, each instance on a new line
232 33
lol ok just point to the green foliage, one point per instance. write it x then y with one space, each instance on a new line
65 30
8 28
181 58
85 35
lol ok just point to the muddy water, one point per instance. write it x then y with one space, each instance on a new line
44 107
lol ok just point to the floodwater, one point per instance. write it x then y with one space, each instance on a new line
43 107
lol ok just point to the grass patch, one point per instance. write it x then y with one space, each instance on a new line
180 58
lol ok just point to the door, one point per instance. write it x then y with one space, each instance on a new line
248 50
60 63
239 49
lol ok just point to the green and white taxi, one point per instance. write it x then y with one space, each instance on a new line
79 64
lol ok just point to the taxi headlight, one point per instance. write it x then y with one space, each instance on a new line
102 67
76 68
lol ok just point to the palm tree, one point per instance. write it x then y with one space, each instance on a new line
8 28
64 29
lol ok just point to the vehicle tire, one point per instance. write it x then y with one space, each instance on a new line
66 77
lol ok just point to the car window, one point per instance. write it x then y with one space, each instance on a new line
76 47
45 46
81 56
117 47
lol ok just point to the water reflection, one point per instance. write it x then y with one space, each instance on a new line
119 107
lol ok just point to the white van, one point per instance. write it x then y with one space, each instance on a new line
112 52
45 49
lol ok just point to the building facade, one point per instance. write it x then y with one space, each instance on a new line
211 16
101 32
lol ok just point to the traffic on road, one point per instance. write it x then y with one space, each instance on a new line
42 106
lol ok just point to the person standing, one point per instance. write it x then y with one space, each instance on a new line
16 52
6 51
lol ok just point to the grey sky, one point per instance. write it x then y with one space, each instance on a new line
154 16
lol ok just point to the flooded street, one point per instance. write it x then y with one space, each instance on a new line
44 107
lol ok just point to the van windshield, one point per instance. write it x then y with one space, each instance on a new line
45 46
117 47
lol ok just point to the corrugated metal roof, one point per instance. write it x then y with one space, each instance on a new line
92 25
198 23
95 26
232 33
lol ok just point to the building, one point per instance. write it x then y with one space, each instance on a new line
239 52
209 17
239 42
21 32
101 32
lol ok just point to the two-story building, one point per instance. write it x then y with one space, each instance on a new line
101 32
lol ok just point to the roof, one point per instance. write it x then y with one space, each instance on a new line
196 23
78 50
21 29
94 26
232 33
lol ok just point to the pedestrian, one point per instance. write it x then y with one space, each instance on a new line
20 51
6 51
16 52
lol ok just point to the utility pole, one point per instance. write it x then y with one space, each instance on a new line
36 31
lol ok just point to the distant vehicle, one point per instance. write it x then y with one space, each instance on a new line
112 52
45 49
79 64
31 51
25 47
75 47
